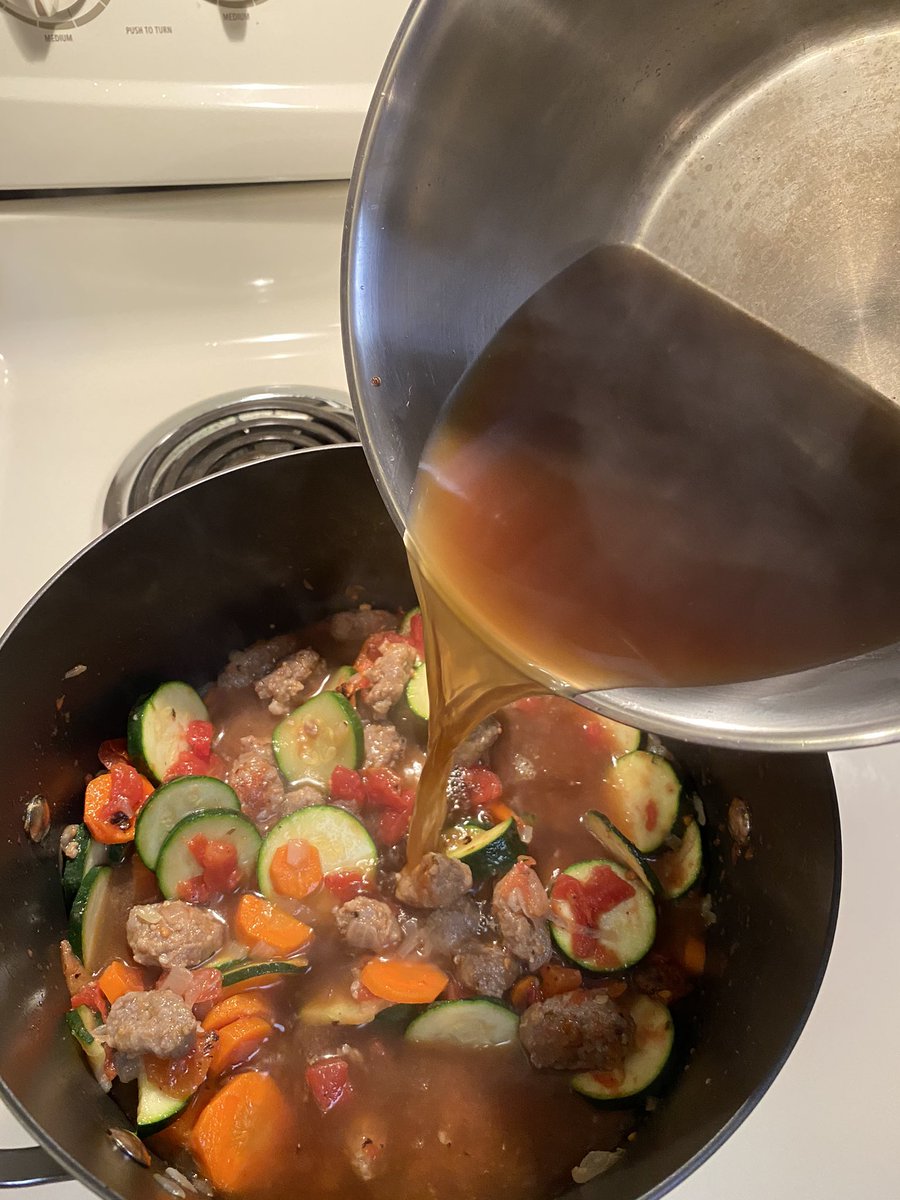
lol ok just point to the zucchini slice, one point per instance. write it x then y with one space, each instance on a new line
338 678
475 1023
176 863
157 727
340 1008
81 1023
170 804
617 846
260 973
679 867
417 693
642 794
86 918
491 851
406 624
601 915
342 841
88 854
323 733
617 738
653 1041
156 1108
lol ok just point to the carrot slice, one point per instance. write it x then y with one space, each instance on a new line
556 980
235 1007
180 1077
259 920
403 981
296 869
118 979
237 1041
97 809
242 1134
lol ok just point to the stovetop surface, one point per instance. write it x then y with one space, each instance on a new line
116 312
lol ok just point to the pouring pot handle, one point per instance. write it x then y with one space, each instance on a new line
28 1166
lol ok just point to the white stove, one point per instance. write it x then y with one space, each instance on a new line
120 310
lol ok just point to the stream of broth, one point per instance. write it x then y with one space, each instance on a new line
637 483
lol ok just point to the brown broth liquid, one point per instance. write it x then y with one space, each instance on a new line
639 484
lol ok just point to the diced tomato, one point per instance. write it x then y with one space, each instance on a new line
93 998
219 861
180 1077
205 987
389 803
590 900
347 786
344 885
191 763
417 633
194 890
127 791
112 751
199 738
483 786
329 1082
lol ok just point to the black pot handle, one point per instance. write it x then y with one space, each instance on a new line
29 1166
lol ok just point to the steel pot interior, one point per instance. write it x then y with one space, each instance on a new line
270 546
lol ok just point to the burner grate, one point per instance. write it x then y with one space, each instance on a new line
227 431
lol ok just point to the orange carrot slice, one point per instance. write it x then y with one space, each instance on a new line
237 1041
259 920
235 1007
403 981
296 869
98 810
242 1134
118 979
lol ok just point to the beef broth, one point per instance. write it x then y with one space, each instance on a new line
637 483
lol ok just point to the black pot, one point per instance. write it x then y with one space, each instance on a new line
274 545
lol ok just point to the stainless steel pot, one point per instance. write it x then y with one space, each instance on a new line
167 594
749 143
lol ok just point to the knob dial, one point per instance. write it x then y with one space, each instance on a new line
67 13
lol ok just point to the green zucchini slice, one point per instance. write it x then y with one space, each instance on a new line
173 802
156 1108
642 795
472 1023
158 725
320 735
645 1063
342 841
248 971
177 865
618 923
617 847
87 917
491 851
417 693
679 867
88 854
81 1023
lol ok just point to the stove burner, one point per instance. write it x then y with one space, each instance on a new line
226 431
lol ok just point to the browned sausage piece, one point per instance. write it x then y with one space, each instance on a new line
388 676
157 1023
384 745
173 934
246 666
356 626
257 781
434 882
448 929
580 1030
368 924
487 970
284 687
521 907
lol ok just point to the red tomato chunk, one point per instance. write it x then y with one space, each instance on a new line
329 1082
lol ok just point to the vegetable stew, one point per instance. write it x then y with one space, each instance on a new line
279 1001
